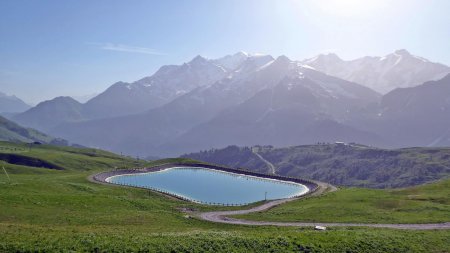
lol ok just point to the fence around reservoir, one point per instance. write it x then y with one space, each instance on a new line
103 176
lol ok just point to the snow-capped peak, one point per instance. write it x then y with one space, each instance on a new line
329 58
382 74
231 62
237 61
283 58
198 60
402 52
241 54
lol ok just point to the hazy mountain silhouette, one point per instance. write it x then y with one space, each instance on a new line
417 116
51 113
147 131
12 104
302 99
305 106
247 99
11 131
383 74
121 99
150 92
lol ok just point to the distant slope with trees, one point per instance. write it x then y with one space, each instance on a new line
341 164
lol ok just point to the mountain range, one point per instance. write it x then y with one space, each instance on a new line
12 104
419 115
301 106
382 74
49 114
249 99
122 98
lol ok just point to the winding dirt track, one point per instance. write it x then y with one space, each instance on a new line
269 164
222 217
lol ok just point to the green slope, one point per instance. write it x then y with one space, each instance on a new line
47 210
10 131
347 165
428 203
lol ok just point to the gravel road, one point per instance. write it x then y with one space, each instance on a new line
222 217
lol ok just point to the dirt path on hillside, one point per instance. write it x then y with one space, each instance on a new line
223 216
269 164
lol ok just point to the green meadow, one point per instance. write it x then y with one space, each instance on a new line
61 210
429 203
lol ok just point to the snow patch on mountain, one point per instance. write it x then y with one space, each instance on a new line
399 69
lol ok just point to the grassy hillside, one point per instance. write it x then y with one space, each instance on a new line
428 203
10 131
347 165
48 210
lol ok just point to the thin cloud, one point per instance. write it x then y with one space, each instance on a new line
125 48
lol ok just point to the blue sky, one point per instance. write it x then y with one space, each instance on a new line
52 48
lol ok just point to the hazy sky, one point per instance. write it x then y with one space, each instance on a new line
52 48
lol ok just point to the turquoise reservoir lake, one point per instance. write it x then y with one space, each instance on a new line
210 186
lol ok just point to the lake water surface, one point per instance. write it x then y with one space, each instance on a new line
212 186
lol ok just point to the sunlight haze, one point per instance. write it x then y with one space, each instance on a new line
70 48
